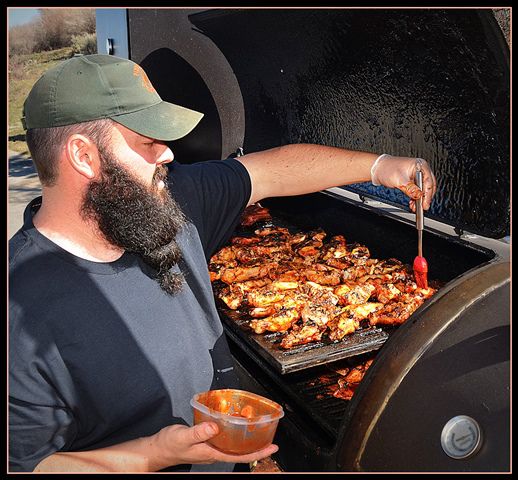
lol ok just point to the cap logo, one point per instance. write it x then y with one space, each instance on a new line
139 72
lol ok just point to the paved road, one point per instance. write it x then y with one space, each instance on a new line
24 185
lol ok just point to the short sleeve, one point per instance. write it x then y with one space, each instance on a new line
213 194
35 432
40 423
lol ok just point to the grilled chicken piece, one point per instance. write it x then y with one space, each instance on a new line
255 213
235 294
318 313
386 271
344 390
225 256
310 251
264 296
291 299
241 274
261 312
349 383
425 292
351 274
398 311
348 321
297 238
288 271
322 274
252 254
244 241
294 299
233 297
278 322
357 373
395 313
254 284
339 368
318 308
355 294
360 254
316 290
311 246
306 334
277 232
386 293
336 248
342 325
284 285
214 273
363 311
335 254
339 263
289 276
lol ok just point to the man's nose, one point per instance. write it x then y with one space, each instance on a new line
166 156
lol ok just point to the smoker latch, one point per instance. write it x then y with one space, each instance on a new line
238 153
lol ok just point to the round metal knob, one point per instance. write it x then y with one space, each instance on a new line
461 437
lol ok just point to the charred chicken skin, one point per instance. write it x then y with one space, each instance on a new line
308 286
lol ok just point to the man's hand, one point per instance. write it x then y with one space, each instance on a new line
181 444
399 172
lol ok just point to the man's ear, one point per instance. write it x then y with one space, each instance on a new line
82 155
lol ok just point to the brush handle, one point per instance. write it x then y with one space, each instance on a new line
419 217
419 201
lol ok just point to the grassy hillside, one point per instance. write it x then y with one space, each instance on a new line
24 70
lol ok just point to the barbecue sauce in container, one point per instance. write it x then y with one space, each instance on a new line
247 422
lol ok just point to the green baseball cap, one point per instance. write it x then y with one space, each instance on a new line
91 87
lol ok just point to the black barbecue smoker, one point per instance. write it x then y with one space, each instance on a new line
430 83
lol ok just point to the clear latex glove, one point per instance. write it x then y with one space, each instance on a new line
399 172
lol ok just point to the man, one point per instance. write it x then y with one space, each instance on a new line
113 326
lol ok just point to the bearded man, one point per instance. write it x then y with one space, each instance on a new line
112 321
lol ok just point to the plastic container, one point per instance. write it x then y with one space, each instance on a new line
247 422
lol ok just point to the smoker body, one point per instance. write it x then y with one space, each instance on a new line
450 358
430 83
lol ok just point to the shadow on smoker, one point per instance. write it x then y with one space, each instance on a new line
497 340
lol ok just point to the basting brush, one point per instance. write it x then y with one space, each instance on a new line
420 263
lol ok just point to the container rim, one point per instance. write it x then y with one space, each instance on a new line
237 420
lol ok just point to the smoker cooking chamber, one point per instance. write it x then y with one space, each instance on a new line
314 415
384 238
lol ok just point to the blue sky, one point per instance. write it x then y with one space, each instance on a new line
19 16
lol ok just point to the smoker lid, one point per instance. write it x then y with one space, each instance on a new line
432 83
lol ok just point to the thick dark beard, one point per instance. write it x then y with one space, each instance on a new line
137 218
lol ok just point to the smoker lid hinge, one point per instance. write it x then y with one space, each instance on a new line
459 231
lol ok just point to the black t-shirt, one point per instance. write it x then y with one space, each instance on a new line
98 353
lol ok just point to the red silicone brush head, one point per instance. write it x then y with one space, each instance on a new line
421 272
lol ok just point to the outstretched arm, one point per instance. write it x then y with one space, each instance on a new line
173 445
304 168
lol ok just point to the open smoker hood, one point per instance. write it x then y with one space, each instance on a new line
432 83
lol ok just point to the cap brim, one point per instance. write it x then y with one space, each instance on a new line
163 121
